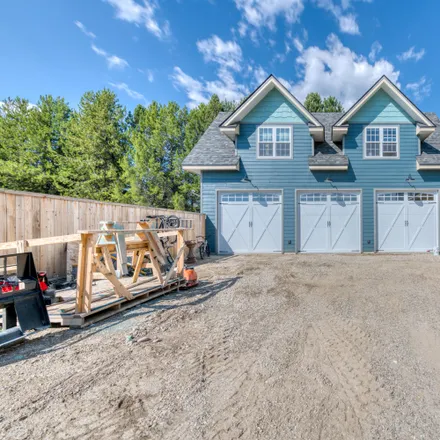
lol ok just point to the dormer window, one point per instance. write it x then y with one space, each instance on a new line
274 143
381 142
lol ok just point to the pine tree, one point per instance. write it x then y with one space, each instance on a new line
96 147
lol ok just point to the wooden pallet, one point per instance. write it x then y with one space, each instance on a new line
107 303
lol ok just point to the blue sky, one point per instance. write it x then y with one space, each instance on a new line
185 50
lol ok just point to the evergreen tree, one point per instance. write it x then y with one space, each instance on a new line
331 104
93 164
313 102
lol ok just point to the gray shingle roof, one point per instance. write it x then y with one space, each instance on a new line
328 159
328 146
431 146
213 148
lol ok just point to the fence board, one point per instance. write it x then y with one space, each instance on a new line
26 215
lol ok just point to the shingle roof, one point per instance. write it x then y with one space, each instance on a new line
328 120
431 146
328 159
213 148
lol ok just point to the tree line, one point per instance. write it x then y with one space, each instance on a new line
100 151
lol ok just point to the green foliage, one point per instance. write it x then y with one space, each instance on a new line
314 103
331 104
101 152
92 164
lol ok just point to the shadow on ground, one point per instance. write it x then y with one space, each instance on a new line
55 341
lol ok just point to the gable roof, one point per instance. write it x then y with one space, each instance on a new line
260 92
389 87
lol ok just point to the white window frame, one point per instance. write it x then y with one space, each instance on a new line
381 128
274 133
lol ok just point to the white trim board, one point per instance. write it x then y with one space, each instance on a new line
269 84
385 84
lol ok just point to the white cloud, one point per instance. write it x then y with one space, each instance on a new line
298 45
347 23
225 53
130 92
260 75
412 54
376 48
84 30
199 91
148 73
340 72
263 13
420 89
113 61
141 14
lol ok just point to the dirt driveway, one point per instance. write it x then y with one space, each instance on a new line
268 347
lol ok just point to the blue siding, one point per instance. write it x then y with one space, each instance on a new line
274 108
292 174
381 108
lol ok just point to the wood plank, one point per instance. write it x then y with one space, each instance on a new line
140 261
180 253
180 257
120 289
85 274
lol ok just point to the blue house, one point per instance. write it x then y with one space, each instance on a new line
277 178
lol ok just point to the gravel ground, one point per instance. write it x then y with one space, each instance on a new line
267 347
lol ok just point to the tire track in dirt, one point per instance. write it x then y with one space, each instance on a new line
358 398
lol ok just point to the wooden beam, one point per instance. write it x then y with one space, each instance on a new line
179 255
33 242
139 263
153 239
129 231
108 260
85 274
120 289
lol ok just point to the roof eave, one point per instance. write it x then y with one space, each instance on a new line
424 132
197 169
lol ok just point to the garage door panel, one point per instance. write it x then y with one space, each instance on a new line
234 228
391 227
329 222
421 225
406 221
345 230
266 230
250 222
313 227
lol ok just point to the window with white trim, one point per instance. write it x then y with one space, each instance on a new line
381 142
274 142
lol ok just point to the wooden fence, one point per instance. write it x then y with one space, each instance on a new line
25 215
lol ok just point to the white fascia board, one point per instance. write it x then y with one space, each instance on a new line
317 133
259 94
385 84
338 133
424 132
198 168
231 132
427 167
328 167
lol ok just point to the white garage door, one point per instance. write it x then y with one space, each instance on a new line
329 222
406 221
250 222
